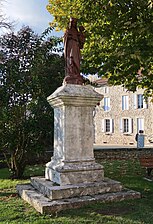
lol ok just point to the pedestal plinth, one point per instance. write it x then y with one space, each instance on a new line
73 160
75 179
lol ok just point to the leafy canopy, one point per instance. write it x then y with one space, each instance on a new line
119 38
30 70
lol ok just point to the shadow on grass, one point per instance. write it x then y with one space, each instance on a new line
4 173
7 194
115 213
35 170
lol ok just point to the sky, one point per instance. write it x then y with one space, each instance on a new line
29 12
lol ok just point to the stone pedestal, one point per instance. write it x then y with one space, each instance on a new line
73 178
73 160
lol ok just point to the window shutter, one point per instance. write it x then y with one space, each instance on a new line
123 105
121 125
135 101
104 103
103 125
111 125
130 125
127 103
108 103
140 123
145 104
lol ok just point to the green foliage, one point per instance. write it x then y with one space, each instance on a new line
118 38
30 70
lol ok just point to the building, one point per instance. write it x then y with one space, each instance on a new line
121 115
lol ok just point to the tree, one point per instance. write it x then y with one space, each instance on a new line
118 38
30 70
4 23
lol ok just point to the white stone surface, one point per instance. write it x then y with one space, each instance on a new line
73 160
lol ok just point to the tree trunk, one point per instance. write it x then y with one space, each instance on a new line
17 167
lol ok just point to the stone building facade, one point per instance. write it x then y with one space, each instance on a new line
121 115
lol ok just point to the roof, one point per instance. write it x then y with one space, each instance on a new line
101 82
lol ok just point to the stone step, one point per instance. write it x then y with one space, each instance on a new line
48 189
46 206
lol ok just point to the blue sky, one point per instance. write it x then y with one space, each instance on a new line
29 12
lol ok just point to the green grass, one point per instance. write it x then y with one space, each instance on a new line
140 211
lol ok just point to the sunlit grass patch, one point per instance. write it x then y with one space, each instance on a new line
14 210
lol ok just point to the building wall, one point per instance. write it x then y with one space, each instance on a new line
117 137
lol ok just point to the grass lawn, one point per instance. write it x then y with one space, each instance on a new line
14 210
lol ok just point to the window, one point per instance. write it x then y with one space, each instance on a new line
107 125
125 102
106 90
140 102
106 103
140 124
126 125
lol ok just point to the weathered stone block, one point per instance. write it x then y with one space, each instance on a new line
73 160
46 206
74 179
48 188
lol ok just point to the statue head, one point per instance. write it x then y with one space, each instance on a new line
73 22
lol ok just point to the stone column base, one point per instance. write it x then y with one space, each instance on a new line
74 172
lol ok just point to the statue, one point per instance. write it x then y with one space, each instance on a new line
73 42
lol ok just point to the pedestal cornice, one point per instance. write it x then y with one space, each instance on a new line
74 95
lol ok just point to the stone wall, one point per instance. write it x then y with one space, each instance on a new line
122 153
